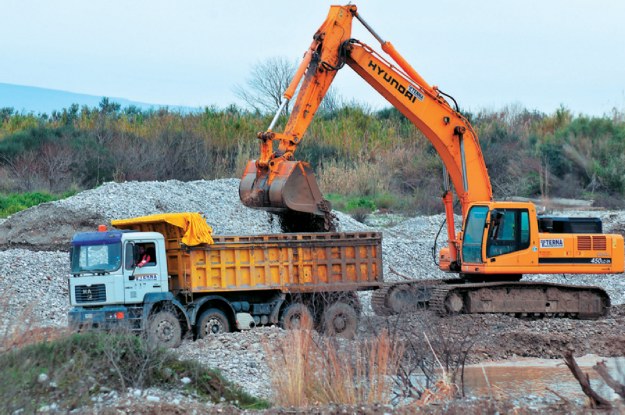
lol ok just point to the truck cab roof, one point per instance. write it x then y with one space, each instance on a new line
112 236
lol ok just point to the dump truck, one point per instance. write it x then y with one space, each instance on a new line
168 277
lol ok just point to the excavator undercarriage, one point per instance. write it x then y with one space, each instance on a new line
520 299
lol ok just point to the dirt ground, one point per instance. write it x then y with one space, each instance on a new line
490 337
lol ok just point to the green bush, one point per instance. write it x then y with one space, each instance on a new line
355 152
386 201
360 203
70 370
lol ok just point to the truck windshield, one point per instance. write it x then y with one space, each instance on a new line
98 258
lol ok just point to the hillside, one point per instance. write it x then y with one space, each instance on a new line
44 100
362 159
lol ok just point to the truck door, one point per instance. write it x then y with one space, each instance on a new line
141 271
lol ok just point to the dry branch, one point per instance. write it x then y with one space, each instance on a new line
400 274
602 370
596 400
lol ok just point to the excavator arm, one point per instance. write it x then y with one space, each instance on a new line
278 183
275 182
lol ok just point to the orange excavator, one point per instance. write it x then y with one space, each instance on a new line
499 240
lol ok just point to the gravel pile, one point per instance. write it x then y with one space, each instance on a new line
33 289
240 357
51 225
36 280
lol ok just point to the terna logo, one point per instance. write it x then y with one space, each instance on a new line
552 243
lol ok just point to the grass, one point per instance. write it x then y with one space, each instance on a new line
308 371
71 369
14 202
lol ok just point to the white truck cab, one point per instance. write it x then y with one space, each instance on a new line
117 275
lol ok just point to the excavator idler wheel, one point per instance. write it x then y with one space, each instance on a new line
454 303
340 320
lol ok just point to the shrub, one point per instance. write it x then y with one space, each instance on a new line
69 370
307 370
354 151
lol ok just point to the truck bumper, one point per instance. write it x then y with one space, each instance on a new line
107 318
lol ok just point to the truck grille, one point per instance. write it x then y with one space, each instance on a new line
90 293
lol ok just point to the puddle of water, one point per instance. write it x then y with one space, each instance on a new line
521 378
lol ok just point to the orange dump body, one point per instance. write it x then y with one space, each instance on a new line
295 263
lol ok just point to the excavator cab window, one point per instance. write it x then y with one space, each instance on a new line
508 231
473 233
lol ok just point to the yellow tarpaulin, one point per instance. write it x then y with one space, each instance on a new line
196 230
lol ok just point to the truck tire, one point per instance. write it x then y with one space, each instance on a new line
164 329
341 320
296 316
212 321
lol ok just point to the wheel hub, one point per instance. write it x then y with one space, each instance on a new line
165 330
214 326
339 323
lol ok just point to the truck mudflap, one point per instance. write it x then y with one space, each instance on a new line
105 318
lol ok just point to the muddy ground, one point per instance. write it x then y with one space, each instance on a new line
490 337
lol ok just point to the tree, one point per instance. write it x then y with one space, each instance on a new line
108 107
268 80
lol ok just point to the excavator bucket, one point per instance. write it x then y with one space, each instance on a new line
294 188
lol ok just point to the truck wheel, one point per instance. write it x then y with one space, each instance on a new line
296 316
164 329
212 321
340 320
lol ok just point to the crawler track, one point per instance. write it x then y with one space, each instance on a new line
520 299
394 298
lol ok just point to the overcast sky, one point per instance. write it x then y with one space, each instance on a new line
487 54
